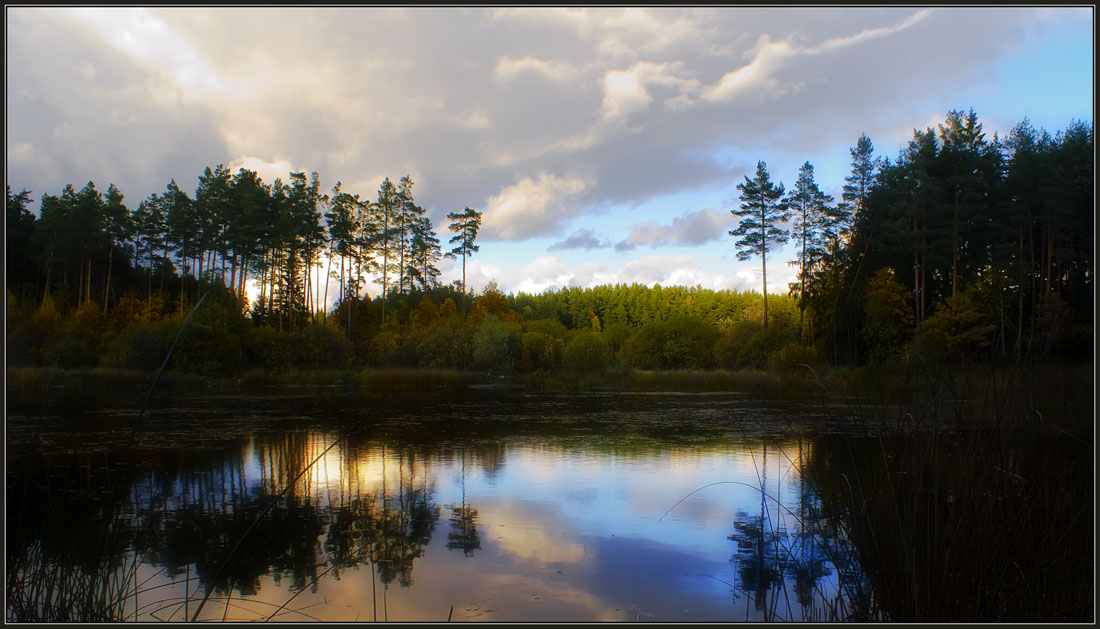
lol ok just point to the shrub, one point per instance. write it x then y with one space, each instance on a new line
788 361
268 348
141 345
540 351
749 344
958 331
587 352
447 345
321 346
495 345
679 343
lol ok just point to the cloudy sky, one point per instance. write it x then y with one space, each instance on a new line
603 145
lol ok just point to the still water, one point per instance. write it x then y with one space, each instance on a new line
480 506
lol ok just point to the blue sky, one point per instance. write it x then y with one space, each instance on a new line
603 145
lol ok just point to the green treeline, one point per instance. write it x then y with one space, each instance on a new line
963 247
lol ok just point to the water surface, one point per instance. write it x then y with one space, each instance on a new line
483 506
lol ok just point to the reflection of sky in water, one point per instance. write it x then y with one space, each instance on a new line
586 531
563 536
569 528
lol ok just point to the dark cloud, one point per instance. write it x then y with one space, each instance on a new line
690 229
583 239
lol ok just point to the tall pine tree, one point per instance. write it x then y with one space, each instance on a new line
762 210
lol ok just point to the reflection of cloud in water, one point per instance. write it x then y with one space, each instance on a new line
528 532
546 598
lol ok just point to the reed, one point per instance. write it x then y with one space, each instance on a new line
969 509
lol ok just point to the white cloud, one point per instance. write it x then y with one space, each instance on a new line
532 207
507 69
268 171
541 273
148 39
626 91
755 81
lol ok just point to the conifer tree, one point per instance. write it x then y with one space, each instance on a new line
762 211
465 225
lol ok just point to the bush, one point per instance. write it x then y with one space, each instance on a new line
587 352
748 345
961 330
210 344
321 346
678 343
447 346
268 348
495 346
788 361
383 347
540 351
141 345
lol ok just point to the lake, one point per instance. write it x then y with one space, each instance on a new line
480 505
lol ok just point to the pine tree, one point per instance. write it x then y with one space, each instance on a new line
812 220
762 211
465 225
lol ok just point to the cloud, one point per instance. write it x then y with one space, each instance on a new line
757 81
538 117
584 239
268 171
532 207
690 229
508 68
626 91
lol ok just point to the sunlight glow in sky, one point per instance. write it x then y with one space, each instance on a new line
604 145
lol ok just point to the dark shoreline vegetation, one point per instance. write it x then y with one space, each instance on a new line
946 305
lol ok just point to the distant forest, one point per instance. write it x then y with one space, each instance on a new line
963 247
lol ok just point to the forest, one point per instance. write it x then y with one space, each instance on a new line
962 247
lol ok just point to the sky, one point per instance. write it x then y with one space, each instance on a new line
603 145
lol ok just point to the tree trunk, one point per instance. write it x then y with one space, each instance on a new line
107 283
764 263
955 248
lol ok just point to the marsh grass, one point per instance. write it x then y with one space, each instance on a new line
42 590
969 504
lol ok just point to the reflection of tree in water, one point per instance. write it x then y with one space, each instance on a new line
810 555
770 557
189 519
759 566
463 522
407 524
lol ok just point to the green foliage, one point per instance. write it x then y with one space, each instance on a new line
960 330
540 351
586 352
678 343
748 345
887 316
141 345
383 347
795 360
268 348
1012 218
321 346
210 344
448 345
496 346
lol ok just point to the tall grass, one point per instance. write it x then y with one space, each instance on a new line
970 504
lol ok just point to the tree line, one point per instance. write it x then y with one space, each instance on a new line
964 244
961 247
85 246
